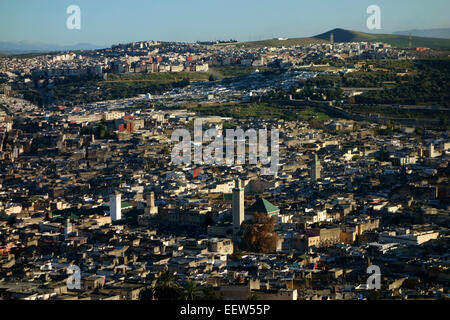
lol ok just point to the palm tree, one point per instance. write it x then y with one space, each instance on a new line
167 287
210 294
191 290
254 297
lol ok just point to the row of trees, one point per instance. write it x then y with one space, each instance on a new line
370 79
85 92
430 85
168 287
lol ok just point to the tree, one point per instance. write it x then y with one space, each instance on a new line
146 295
101 131
259 235
165 150
211 294
375 295
190 291
12 220
167 287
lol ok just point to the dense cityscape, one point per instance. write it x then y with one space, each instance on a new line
95 203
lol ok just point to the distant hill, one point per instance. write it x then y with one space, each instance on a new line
402 41
279 43
24 47
342 35
442 33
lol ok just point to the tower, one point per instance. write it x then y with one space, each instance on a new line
315 168
431 150
67 228
238 206
15 152
332 38
151 209
115 206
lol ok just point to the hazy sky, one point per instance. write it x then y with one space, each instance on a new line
105 22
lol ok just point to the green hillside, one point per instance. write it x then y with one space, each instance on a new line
341 35
286 43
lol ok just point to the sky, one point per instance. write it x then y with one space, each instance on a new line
106 22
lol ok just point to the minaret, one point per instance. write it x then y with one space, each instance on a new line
431 150
67 228
115 206
238 206
315 168
15 152
151 209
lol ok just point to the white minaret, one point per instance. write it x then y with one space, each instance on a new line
115 206
238 206
315 168
67 228
431 150
151 209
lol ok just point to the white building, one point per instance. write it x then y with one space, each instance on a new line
238 206
115 206
415 238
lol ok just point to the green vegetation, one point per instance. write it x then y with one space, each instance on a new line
391 65
169 288
341 35
28 55
167 77
285 43
431 85
263 111
86 90
371 79
419 82
158 77
400 113
80 92
235 71
373 74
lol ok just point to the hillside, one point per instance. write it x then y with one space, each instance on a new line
342 35
287 42
443 33
402 41
27 47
